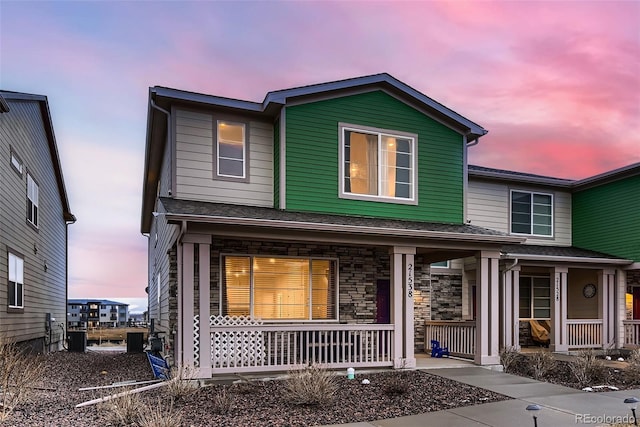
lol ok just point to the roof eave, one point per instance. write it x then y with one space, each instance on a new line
558 258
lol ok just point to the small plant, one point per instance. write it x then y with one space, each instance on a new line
311 386
586 368
182 381
122 411
399 384
633 368
222 401
160 415
541 363
20 371
509 356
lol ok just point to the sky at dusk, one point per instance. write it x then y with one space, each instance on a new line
557 84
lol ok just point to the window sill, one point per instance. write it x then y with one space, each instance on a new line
367 198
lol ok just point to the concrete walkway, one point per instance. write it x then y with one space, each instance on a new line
561 406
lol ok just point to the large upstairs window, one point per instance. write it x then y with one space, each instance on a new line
231 150
272 288
531 213
377 164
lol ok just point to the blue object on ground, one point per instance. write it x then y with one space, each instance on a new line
437 351
159 366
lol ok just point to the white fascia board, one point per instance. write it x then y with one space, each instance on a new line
557 258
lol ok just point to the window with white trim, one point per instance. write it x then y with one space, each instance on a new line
231 150
535 298
16 163
32 201
286 288
377 164
531 213
16 281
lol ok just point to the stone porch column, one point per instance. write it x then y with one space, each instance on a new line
511 307
559 339
606 306
403 288
487 296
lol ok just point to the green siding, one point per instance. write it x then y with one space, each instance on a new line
276 163
312 158
607 218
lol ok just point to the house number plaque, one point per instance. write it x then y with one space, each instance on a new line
410 280
557 289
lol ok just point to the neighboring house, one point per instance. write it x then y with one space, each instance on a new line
326 224
84 313
34 215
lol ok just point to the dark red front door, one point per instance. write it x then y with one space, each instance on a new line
636 303
383 302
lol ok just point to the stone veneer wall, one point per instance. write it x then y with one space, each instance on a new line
359 268
448 303
173 298
421 302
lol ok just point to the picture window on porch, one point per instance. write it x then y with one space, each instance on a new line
531 213
535 298
377 164
272 288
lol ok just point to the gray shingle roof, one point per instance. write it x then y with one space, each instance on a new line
555 251
205 209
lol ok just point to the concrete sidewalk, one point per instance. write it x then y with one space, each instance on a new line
561 406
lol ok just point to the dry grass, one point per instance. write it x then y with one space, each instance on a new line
20 372
160 415
541 363
586 367
182 381
311 386
633 369
222 402
122 411
509 357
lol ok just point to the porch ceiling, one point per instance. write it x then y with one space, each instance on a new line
268 220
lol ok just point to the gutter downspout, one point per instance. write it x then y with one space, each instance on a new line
465 172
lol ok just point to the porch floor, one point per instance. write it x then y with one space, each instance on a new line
425 361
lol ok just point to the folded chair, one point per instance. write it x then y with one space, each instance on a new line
437 351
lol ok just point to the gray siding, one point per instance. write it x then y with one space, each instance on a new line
22 129
488 206
194 134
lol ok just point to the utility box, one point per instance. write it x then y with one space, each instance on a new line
77 341
135 342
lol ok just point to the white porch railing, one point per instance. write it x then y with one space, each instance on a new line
584 333
459 337
280 347
631 333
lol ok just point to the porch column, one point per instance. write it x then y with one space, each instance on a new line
606 308
402 284
511 307
559 339
487 322
185 306
621 307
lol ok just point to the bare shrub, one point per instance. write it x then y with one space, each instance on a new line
541 363
586 367
399 384
160 415
20 371
632 370
122 411
222 401
182 381
312 386
509 357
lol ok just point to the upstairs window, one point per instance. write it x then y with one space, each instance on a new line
280 288
231 150
377 165
531 213
16 163
16 281
32 201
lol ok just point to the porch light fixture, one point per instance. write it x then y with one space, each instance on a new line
632 403
533 409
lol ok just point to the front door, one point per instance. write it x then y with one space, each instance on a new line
636 303
383 301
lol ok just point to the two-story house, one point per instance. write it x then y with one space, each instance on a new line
329 222
83 313
34 216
